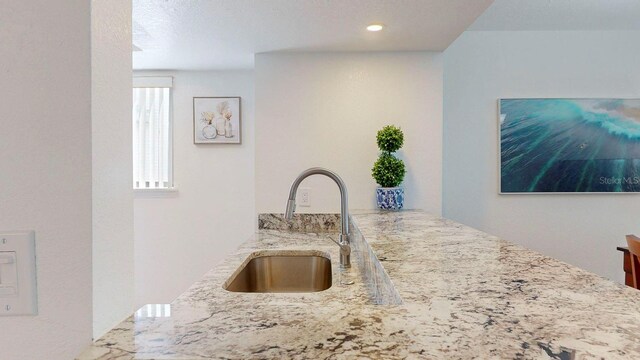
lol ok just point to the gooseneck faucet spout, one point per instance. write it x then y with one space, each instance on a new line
343 241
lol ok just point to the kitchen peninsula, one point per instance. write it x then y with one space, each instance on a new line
420 287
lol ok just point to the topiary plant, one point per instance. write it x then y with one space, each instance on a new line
388 171
390 139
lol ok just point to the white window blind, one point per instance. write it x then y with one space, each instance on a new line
152 158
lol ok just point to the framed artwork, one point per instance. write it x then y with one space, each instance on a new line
569 146
216 120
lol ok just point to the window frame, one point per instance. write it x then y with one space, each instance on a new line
157 82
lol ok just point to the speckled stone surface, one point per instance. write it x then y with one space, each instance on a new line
463 295
301 222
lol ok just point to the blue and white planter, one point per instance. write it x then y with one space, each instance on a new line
390 198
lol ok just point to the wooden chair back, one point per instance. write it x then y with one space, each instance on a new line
634 252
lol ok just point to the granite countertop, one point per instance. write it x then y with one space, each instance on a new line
420 287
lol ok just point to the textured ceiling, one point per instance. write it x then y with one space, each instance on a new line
223 34
543 15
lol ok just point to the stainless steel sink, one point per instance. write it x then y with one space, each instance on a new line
295 272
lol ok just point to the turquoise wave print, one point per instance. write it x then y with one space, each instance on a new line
569 145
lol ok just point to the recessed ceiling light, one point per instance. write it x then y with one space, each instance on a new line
375 27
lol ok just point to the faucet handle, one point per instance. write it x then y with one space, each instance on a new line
331 238
343 243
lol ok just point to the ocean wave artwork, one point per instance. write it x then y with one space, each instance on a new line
569 145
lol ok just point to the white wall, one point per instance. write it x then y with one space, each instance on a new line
45 169
481 67
112 163
324 109
180 236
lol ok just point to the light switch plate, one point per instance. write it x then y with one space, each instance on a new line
21 246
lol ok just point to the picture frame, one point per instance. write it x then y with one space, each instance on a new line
568 146
217 120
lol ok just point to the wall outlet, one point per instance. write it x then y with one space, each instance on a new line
304 198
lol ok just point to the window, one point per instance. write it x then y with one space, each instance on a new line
152 139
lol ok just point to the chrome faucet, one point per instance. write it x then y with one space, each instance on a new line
343 240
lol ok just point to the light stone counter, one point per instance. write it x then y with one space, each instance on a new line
441 290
